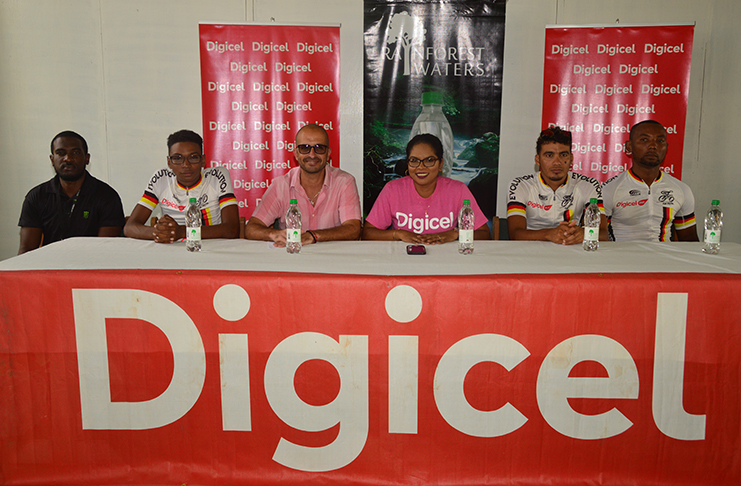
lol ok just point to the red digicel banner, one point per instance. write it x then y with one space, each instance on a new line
260 84
599 81
199 377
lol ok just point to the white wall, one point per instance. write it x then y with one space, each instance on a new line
125 74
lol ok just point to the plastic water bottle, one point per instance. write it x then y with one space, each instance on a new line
432 120
465 228
293 228
713 225
591 226
193 226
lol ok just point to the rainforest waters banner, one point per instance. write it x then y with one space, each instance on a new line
453 49
599 81
259 85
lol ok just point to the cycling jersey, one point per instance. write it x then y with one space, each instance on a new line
213 192
637 211
544 208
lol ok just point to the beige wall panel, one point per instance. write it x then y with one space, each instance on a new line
152 81
50 80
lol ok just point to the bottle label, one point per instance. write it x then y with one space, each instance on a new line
712 236
465 236
293 235
193 233
591 234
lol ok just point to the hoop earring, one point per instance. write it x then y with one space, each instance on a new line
406 172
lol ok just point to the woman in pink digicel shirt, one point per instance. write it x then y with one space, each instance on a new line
422 208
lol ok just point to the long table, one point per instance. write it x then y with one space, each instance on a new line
129 362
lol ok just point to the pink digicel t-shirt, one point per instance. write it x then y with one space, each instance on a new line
399 206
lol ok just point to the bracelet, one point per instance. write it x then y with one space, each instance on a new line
312 235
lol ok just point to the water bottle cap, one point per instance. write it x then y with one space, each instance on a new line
716 202
593 200
466 202
193 200
432 98
294 201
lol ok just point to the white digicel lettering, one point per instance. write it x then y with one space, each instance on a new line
555 387
92 307
418 225
668 396
349 356
451 372
349 409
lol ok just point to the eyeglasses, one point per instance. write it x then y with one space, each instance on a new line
305 148
414 162
193 159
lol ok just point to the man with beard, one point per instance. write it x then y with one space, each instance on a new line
327 196
549 205
644 203
73 203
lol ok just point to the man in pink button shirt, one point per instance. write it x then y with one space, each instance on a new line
327 196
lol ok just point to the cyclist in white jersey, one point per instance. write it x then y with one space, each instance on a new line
549 205
172 187
644 203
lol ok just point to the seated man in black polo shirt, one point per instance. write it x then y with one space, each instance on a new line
73 203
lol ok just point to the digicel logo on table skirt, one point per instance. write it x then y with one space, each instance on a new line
349 356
